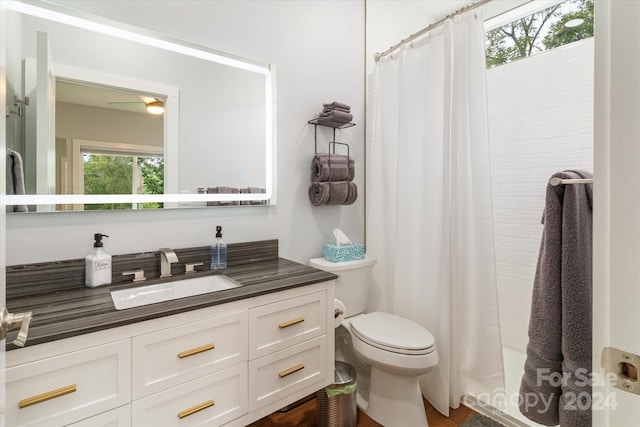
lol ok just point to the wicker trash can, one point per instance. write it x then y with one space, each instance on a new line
337 402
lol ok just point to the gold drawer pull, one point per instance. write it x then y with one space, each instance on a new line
291 370
46 396
194 409
291 322
196 350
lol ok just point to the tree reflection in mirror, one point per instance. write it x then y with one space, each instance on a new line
128 175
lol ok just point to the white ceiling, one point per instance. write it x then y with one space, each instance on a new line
101 97
441 8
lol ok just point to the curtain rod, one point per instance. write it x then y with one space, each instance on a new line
555 181
439 22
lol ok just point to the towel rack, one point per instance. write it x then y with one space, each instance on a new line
555 181
333 143
315 124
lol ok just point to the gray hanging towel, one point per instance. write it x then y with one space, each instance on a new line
15 179
555 387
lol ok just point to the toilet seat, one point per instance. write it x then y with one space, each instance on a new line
392 333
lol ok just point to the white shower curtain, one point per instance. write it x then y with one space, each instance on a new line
429 214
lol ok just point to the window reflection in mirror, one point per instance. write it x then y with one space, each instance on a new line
108 142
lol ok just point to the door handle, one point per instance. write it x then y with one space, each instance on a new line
10 321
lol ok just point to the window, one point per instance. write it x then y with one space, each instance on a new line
558 25
113 168
128 175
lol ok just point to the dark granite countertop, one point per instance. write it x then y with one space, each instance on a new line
67 313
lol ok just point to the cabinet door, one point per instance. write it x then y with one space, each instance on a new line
279 325
68 388
286 372
174 356
119 417
213 400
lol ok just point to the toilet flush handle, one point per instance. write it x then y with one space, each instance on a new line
337 313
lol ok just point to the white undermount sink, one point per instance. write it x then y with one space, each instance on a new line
151 294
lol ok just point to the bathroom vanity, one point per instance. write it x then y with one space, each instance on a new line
224 358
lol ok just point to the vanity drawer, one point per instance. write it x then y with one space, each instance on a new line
213 400
279 325
174 356
68 388
119 417
285 372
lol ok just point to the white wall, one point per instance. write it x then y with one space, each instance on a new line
317 61
540 122
75 121
389 21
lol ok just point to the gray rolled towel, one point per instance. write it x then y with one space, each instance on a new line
332 167
336 116
223 190
331 193
254 190
319 193
336 104
352 193
257 190
212 190
330 109
338 192
330 123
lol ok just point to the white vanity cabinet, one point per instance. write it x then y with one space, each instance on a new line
170 357
212 400
287 347
119 417
66 388
193 374
229 364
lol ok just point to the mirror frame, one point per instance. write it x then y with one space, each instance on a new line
83 20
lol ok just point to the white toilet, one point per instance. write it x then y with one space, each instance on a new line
388 351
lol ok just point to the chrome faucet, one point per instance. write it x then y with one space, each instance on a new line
167 257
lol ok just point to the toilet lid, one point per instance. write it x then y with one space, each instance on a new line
393 333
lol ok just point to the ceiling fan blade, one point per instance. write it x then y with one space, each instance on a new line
148 99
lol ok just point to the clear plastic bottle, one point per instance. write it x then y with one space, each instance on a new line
218 251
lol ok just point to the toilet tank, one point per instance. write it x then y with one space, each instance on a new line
354 279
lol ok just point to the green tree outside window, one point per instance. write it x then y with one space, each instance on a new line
540 31
113 174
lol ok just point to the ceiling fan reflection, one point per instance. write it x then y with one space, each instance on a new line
152 105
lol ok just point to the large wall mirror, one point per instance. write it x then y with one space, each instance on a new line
120 118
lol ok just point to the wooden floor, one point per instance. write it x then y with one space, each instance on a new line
305 416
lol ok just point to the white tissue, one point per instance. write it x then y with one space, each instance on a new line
341 238
340 312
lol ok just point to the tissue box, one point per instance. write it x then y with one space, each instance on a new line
335 253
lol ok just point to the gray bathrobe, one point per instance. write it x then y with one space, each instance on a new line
556 386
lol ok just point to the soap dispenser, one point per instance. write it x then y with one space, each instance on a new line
98 264
218 251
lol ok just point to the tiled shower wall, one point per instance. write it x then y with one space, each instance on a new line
540 122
